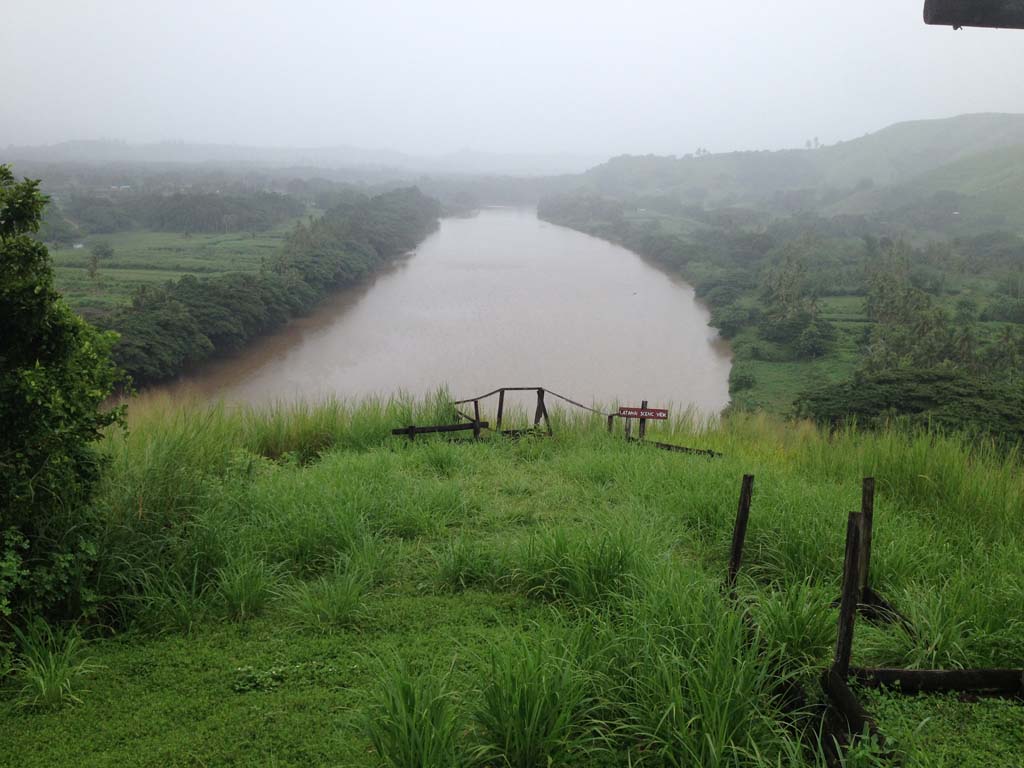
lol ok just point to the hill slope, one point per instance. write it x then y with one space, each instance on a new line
895 155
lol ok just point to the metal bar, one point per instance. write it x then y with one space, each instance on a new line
1004 14
573 402
494 392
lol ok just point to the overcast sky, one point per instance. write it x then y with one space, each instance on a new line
518 76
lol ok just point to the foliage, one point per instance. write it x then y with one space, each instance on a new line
55 373
941 397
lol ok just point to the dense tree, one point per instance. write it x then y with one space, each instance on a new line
55 372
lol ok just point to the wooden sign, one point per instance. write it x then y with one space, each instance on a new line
659 414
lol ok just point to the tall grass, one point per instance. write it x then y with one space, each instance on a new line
326 603
246 584
533 711
49 664
304 511
414 721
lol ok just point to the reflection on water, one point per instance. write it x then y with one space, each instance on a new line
499 299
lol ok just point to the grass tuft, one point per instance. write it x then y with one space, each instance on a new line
48 665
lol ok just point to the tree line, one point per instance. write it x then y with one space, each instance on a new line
168 328
763 280
79 215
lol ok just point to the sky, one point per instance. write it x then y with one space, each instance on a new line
433 77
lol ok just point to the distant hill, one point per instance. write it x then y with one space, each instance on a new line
462 162
974 155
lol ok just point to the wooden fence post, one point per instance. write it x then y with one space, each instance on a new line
476 419
501 408
542 411
867 514
629 428
611 422
739 531
412 433
643 421
848 601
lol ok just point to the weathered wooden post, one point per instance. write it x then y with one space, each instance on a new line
501 407
848 601
476 419
542 411
412 433
643 421
739 531
867 514
611 422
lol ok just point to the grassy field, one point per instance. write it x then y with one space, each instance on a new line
146 258
778 379
296 587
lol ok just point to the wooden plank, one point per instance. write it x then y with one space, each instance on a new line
540 407
677 448
847 704
1004 682
848 601
412 431
1005 14
877 609
739 531
643 421
501 408
867 515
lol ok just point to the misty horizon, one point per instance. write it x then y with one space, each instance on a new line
568 80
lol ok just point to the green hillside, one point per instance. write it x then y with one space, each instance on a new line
897 155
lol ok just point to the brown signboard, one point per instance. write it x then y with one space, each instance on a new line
644 413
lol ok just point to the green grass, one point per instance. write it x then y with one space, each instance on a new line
142 257
293 586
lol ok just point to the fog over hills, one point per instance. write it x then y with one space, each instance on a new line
462 162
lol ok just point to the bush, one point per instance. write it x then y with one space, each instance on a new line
55 373
741 378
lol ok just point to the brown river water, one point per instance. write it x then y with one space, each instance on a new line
500 299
